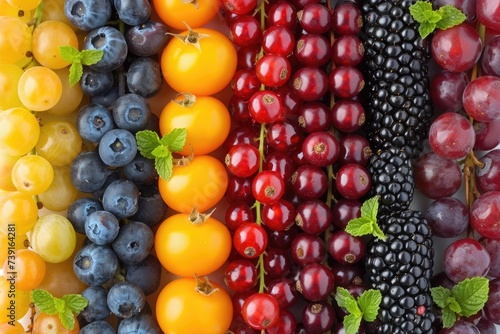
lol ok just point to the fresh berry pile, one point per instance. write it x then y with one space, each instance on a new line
246 166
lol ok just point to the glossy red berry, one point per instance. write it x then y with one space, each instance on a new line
279 215
279 40
240 275
242 160
352 181
245 83
260 311
265 106
268 187
321 148
245 30
273 70
250 240
315 282
310 83
346 248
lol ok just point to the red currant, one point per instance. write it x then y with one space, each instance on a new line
250 240
260 311
268 187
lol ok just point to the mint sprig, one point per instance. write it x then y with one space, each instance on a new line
78 59
367 223
64 307
151 146
429 19
466 298
365 307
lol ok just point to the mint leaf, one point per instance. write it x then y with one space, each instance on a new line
161 152
164 167
440 296
44 300
90 57
175 140
68 53
59 304
76 303
67 318
450 17
359 226
369 208
426 28
369 303
443 18
367 222
147 141
449 317
345 300
75 73
419 10
454 305
471 294
351 323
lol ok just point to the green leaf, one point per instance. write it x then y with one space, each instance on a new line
75 73
426 28
67 318
147 141
90 57
161 151
369 208
59 304
346 300
69 53
449 317
471 294
75 302
432 17
440 296
359 226
175 140
164 167
44 300
454 305
450 17
351 323
369 303
419 10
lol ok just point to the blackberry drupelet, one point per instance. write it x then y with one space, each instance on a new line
392 178
398 107
401 268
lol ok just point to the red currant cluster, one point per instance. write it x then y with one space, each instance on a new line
297 163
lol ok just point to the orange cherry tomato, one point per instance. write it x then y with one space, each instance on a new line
201 183
29 267
194 113
201 61
189 244
189 305
51 324
177 13
12 328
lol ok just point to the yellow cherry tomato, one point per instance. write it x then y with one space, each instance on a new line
201 183
201 61
189 305
195 13
194 113
189 244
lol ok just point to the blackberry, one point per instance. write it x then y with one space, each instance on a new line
401 268
398 108
392 178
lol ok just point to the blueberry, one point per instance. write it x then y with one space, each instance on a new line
87 14
101 227
146 274
139 324
133 243
144 77
88 172
121 198
133 12
152 208
100 327
94 83
93 121
97 308
117 147
108 98
112 177
131 112
147 39
126 299
111 41
80 209
95 265
141 170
